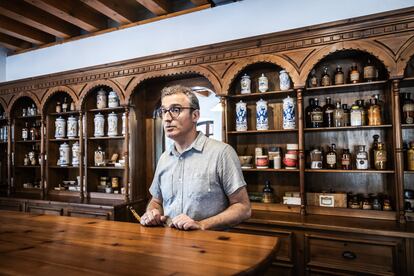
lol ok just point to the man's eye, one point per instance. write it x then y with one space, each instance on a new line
175 110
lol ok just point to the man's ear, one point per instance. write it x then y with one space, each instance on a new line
196 115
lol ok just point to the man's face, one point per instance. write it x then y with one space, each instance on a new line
180 126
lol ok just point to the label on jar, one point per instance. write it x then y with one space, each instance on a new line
317 117
356 118
262 162
361 164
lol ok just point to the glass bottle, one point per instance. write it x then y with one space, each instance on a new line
339 75
65 105
410 157
338 115
363 112
354 74
326 79
268 193
328 111
99 157
308 112
33 132
58 107
374 113
331 157
316 115
316 159
313 81
25 132
408 109
374 147
370 72
346 160
380 157
34 110
347 115
355 115
361 158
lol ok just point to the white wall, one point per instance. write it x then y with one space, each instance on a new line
233 21
3 54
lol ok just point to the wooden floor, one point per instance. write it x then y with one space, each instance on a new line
51 245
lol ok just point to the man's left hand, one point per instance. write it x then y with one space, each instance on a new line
184 222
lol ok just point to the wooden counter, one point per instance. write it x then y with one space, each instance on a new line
48 245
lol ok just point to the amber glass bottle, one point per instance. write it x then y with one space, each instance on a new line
331 157
326 79
328 113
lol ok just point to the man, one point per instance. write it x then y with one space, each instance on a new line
198 183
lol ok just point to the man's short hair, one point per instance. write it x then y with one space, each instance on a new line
179 89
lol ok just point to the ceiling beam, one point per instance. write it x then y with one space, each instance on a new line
157 7
78 14
114 10
13 43
37 18
200 2
24 32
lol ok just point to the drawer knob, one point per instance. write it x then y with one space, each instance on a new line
349 255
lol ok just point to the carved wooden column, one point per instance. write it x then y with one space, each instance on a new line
43 180
224 119
127 181
9 157
398 151
81 157
301 153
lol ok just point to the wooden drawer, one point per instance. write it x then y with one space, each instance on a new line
350 255
90 214
46 210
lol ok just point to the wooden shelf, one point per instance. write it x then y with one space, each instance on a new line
107 138
407 125
27 167
28 117
290 92
62 167
63 139
275 207
346 128
107 196
64 193
270 170
347 171
75 112
105 168
262 131
28 141
348 212
107 109
409 172
29 190
348 86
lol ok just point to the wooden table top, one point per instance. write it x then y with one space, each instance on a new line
51 245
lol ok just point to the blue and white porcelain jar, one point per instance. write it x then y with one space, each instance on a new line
289 114
241 116
101 99
113 100
75 154
72 127
284 80
263 83
99 122
262 122
60 128
245 84
112 124
64 155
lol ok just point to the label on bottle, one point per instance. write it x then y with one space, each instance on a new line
339 78
316 117
354 76
24 134
369 72
326 81
345 161
331 159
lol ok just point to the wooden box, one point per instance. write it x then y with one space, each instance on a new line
338 200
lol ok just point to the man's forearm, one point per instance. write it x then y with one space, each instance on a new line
155 205
233 215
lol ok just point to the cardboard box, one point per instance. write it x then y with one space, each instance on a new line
337 200
290 200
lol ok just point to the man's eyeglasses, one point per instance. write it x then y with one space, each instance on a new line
174 111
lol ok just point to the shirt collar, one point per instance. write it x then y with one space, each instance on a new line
198 144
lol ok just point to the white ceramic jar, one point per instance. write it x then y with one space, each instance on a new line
112 125
284 80
99 122
72 127
64 155
263 83
113 100
262 122
75 154
123 123
101 99
245 84
60 128
241 116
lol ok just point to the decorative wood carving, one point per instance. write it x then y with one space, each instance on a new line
49 93
90 86
31 95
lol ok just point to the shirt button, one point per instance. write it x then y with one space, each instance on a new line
181 158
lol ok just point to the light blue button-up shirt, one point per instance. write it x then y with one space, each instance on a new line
198 181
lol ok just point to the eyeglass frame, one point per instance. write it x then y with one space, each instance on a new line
161 112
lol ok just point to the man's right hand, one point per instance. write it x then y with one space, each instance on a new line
153 218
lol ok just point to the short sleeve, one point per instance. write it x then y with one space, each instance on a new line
230 171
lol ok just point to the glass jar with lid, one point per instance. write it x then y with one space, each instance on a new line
356 115
361 158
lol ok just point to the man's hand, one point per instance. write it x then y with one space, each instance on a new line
184 222
153 218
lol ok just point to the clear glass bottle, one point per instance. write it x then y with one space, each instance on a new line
326 79
328 111
268 196
374 113
338 115
308 112
25 132
410 157
99 157
356 115
354 74
34 110
347 115
363 112
316 115
331 157
361 158
407 109
316 159
346 160
380 157
339 75
313 81
33 132
65 105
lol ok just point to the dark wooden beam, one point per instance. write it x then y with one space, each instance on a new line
157 7
37 18
115 10
200 2
13 43
24 32
78 13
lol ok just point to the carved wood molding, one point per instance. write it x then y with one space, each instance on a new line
92 85
50 92
29 94
3 104
404 57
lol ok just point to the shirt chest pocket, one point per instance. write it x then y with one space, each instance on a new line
200 187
